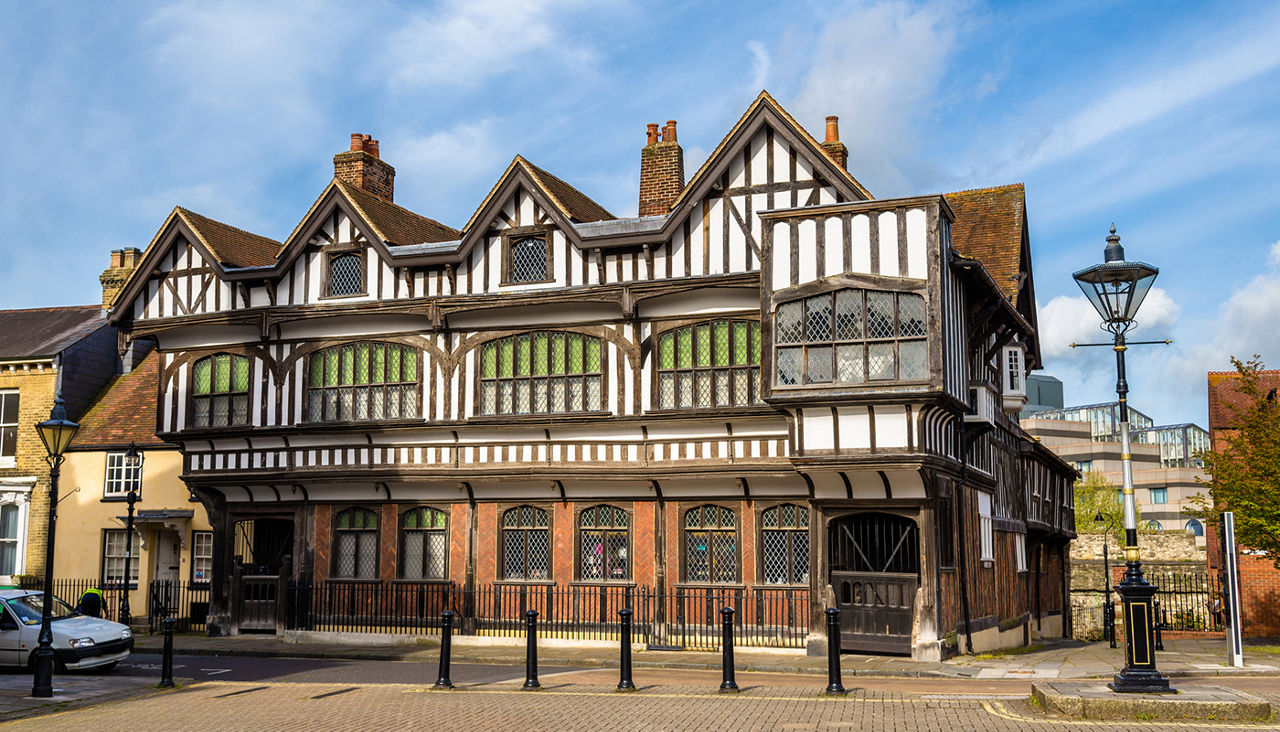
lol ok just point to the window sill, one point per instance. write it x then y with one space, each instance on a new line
120 499
709 586
356 580
517 283
322 298
988 563
541 417
603 583
745 409
8 462
524 583
404 581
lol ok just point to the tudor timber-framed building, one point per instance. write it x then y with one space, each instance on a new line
767 379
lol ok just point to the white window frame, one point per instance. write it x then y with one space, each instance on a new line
199 559
1163 493
113 579
9 461
1015 375
119 477
1020 551
986 529
17 492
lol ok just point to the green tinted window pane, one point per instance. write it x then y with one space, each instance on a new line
522 356
378 369
721 337
704 345
557 353
317 369
348 364
411 519
222 373
438 519
769 519
410 364
362 363
489 360
393 363
331 367
240 374
755 343
540 353
506 355
684 348
593 355
344 520
741 343
202 369
666 351
575 354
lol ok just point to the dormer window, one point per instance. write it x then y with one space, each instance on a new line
528 259
1014 381
346 274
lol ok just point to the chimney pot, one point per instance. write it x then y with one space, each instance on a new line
661 171
653 133
113 279
833 129
362 167
669 134
357 142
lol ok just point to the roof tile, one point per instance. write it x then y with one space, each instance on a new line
44 332
397 224
233 247
989 228
125 410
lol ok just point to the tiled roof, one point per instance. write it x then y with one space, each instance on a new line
988 227
397 225
44 332
1224 394
576 204
233 247
124 411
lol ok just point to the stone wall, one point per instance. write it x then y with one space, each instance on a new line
1162 553
1155 547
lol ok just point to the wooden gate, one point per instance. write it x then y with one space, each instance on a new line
875 572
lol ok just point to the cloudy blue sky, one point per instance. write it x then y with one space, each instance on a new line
1160 117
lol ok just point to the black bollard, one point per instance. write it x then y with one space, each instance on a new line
446 648
833 652
1159 618
531 652
166 663
726 643
624 665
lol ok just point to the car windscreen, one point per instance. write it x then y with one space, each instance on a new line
28 608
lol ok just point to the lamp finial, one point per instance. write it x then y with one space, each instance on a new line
1114 252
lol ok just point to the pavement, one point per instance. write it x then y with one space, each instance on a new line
69 691
1182 658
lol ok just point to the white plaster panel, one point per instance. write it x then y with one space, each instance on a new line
889 243
916 249
819 433
833 237
860 240
855 428
891 427
808 264
781 255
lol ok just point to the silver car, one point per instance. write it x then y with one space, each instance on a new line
79 641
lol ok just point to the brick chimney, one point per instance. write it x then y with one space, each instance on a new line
661 171
361 167
123 263
833 147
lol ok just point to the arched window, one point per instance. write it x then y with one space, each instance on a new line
784 542
220 391
710 545
1195 528
709 365
541 373
526 544
1154 525
363 381
849 337
424 543
603 544
355 544
346 274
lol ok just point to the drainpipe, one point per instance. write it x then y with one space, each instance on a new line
960 539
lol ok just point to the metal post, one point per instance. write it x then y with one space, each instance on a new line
1136 594
531 652
1108 610
624 665
833 652
132 498
42 683
1160 620
1231 589
446 649
166 661
726 644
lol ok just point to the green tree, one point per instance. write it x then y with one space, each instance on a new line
1244 475
1095 494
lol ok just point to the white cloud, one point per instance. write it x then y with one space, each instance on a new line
1068 319
445 170
1274 257
760 66
464 42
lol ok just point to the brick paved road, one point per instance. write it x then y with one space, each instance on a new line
566 703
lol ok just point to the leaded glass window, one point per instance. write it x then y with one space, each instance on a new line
541 373
714 364
355 544
603 544
424 542
358 382
220 391
851 337
528 260
784 541
346 275
710 545
526 544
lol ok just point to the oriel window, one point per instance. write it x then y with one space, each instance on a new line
710 545
784 541
603 533
220 391
851 337
355 544
424 544
526 544
709 365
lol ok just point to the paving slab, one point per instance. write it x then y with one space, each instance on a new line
1094 700
69 690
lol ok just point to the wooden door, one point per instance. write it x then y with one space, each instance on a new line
875 572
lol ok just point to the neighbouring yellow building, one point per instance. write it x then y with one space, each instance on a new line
172 546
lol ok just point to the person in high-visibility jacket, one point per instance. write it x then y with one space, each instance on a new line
92 603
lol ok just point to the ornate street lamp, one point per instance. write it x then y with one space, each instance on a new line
132 464
56 433
1116 288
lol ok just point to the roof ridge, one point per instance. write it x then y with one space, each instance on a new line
54 307
1005 187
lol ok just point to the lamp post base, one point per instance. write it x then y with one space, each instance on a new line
1138 681
1139 675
